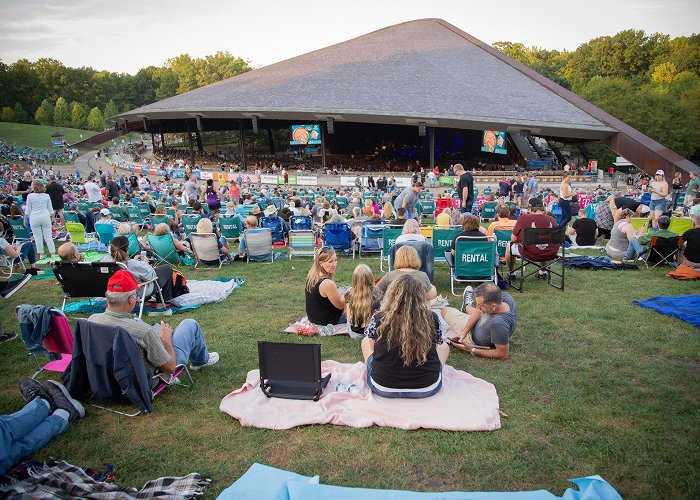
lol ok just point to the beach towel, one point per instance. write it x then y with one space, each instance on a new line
99 305
262 482
207 291
464 403
684 307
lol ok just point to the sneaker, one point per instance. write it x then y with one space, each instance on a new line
62 400
6 337
31 389
13 286
512 277
468 298
542 275
213 359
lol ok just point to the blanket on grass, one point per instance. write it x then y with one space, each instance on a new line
262 482
464 403
598 262
63 480
99 306
684 307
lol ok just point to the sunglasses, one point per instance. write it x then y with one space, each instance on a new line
325 249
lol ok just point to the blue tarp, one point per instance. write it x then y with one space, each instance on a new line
262 482
683 307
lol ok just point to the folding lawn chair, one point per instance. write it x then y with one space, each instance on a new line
475 260
541 245
302 242
189 224
58 342
206 249
230 226
105 232
135 215
164 249
301 222
144 209
19 230
371 238
291 371
663 250
70 216
339 236
442 240
134 244
258 243
159 219
488 210
274 224
117 213
388 239
503 237
107 364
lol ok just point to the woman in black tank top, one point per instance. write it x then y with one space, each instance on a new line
324 303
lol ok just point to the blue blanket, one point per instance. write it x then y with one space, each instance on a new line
262 482
683 307
99 306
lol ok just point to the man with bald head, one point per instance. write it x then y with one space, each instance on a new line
68 252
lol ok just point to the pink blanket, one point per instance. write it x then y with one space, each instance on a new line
464 403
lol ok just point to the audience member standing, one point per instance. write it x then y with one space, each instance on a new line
39 210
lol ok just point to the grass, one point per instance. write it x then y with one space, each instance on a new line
38 136
594 385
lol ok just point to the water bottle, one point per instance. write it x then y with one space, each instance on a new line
325 331
352 389
340 387
144 256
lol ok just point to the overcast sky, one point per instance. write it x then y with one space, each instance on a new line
127 35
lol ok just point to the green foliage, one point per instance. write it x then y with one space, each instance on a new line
110 110
7 114
194 73
20 115
61 113
78 115
95 120
44 113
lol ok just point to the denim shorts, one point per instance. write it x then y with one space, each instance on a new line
658 205
403 393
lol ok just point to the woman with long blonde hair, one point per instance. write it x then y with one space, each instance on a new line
388 211
403 346
361 301
324 302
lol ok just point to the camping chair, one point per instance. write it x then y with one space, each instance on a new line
70 216
107 363
206 249
441 204
680 225
135 215
339 236
301 222
342 202
258 244
291 371
442 241
488 210
274 224
388 240
144 209
189 224
58 340
19 230
105 232
371 238
425 252
663 250
117 213
164 249
77 233
533 239
427 209
230 226
302 242
159 219
475 260
134 244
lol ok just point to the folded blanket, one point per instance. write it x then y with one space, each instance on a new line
207 291
464 403
262 482
683 307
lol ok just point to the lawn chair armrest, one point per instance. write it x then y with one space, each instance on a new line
450 259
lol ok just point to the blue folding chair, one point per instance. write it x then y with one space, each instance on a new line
339 236
274 224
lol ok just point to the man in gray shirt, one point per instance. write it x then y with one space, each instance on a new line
408 199
191 188
485 330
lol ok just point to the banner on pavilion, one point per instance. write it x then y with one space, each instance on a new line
307 180
268 179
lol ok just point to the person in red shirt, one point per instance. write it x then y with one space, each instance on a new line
536 218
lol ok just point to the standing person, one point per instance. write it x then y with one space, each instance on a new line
692 189
234 192
39 210
408 199
677 186
191 190
465 188
324 302
56 192
212 197
403 346
659 191
24 186
112 187
565 195
370 182
92 190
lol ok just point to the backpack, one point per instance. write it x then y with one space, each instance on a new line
179 284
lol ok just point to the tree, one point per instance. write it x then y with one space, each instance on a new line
44 113
95 120
78 115
7 114
20 115
61 113
110 110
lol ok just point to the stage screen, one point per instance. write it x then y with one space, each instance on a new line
305 134
494 141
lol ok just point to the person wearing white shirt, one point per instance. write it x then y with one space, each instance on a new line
411 232
40 212
92 190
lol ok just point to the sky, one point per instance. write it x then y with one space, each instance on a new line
126 35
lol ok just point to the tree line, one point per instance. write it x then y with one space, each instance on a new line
48 93
651 82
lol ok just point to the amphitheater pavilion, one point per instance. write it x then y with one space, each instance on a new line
424 82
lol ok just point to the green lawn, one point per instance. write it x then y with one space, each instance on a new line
38 136
594 385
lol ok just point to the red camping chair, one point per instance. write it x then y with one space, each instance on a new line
58 340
